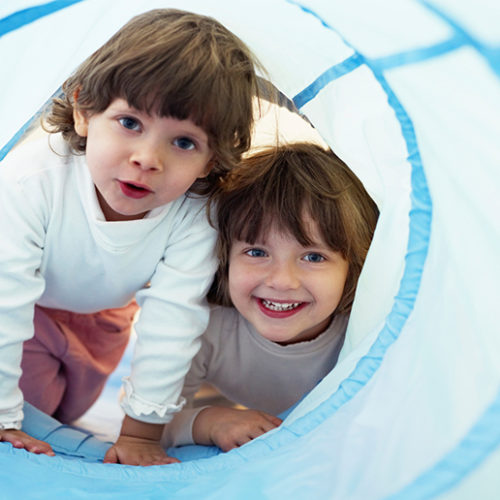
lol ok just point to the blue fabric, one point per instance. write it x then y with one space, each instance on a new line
68 441
312 90
491 54
201 477
482 439
420 223
22 17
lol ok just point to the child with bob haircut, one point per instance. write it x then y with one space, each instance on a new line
294 225
110 207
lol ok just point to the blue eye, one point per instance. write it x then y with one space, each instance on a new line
256 252
314 258
184 143
129 123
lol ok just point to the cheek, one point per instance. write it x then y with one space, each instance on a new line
331 288
95 153
241 281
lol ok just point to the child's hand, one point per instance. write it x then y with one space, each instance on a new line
137 451
138 444
229 428
19 439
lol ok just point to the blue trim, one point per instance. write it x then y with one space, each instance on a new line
307 10
419 233
312 90
418 55
420 225
491 54
26 16
484 437
382 63
17 136
481 440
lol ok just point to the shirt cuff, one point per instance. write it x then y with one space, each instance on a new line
147 411
12 419
179 432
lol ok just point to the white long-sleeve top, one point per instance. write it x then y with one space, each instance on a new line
57 250
253 371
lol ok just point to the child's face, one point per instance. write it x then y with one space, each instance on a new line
138 161
288 292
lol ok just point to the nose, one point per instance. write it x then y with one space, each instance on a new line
282 275
147 155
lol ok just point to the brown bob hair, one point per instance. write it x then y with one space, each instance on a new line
174 64
276 188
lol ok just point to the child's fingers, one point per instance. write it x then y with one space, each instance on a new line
40 448
168 460
157 459
111 457
244 440
19 439
273 420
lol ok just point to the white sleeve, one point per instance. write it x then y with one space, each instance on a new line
174 314
22 235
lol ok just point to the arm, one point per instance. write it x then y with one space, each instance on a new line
173 315
178 432
138 444
22 233
229 428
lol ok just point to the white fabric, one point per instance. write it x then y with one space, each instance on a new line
58 251
252 371
441 374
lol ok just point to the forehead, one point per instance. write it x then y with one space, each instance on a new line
307 235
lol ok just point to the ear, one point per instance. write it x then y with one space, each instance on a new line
208 168
80 118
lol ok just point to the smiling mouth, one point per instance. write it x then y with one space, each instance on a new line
280 306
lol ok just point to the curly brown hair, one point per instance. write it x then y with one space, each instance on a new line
174 64
276 188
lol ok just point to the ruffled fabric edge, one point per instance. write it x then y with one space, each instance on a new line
139 408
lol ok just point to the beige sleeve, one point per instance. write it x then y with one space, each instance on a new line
179 431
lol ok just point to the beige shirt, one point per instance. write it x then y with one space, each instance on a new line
253 371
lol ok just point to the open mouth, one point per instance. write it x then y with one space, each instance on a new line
133 190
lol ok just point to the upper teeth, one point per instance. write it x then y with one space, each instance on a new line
280 306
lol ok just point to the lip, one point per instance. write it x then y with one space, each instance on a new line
134 190
279 314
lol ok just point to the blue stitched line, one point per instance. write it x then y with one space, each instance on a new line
26 16
382 63
418 55
420 222
491 54
482 439
17 136
312 90
12 142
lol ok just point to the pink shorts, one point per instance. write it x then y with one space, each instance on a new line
66 364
